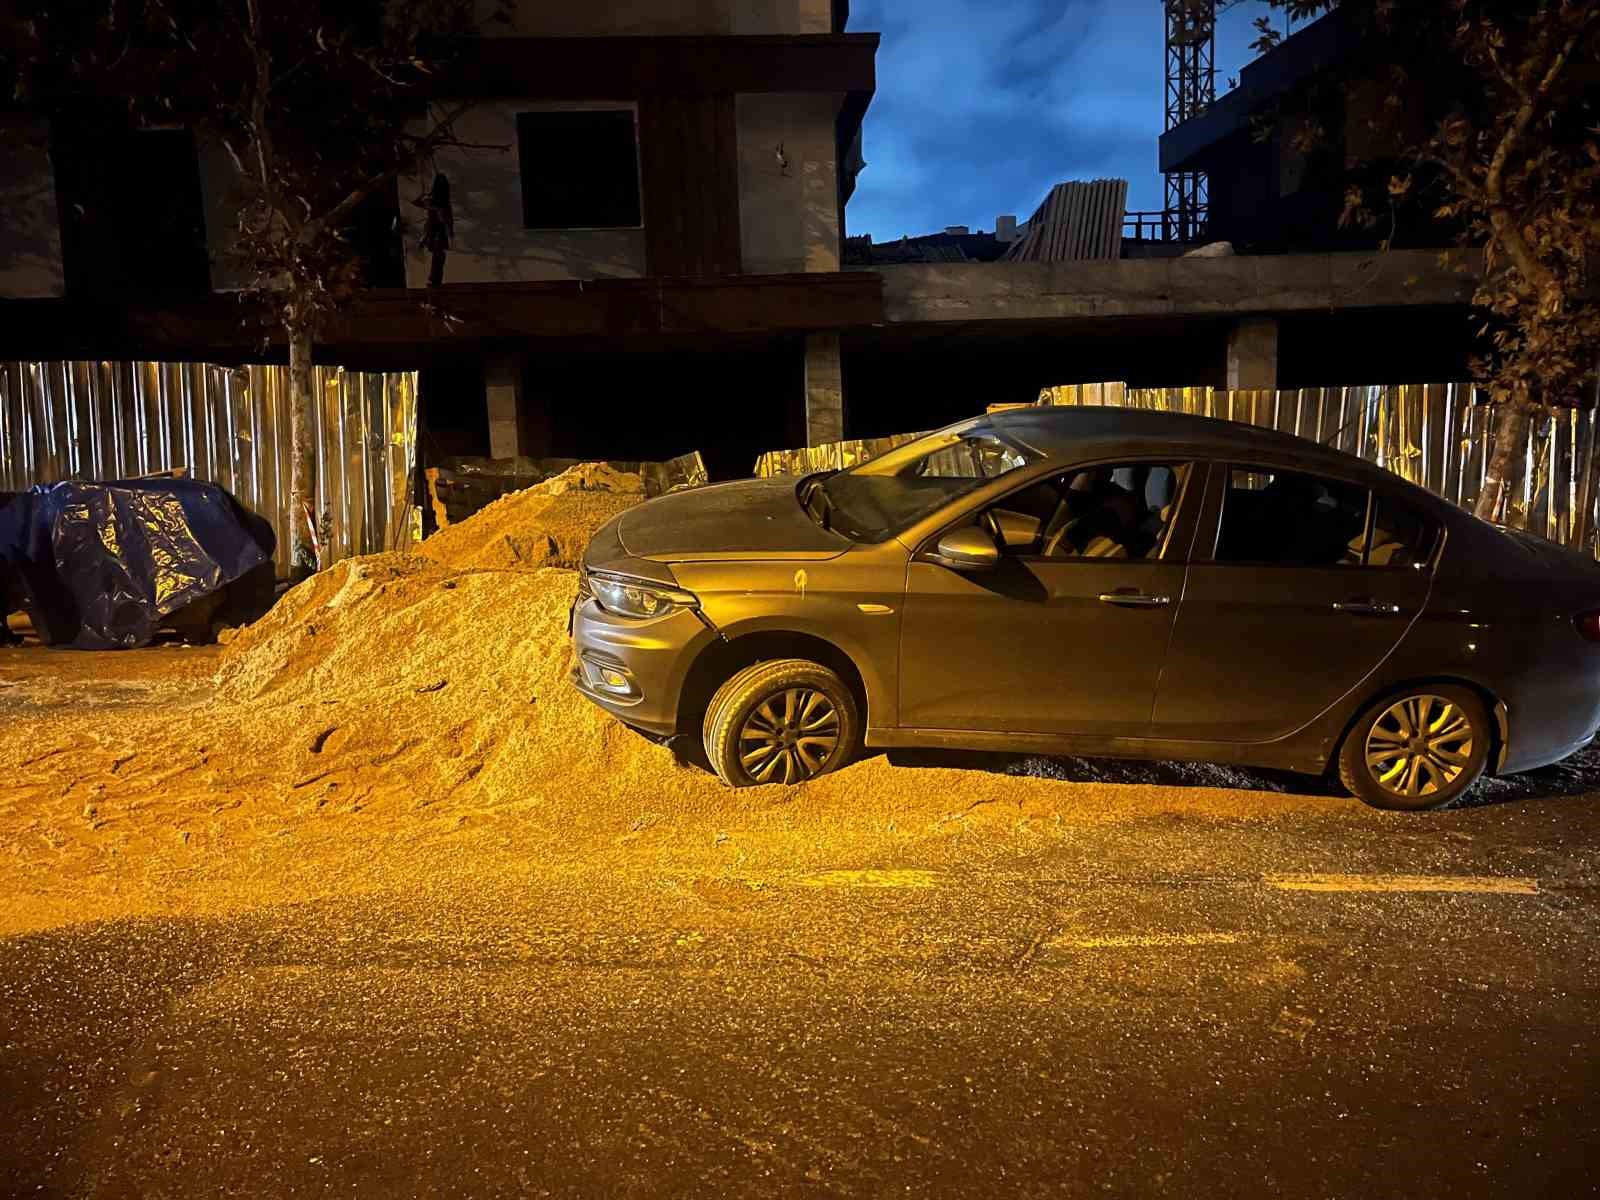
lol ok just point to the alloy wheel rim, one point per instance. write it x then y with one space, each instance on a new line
1419 746
789 736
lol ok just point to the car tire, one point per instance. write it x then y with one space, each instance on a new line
1390 760
802 713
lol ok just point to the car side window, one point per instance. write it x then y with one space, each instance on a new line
1094 512
1401 537
1291 519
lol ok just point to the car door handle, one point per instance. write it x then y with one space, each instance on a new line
1135 599
1366 608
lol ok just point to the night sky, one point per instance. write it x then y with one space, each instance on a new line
983 105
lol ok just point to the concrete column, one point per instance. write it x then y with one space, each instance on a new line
502 393
518 423
824 389
1253 354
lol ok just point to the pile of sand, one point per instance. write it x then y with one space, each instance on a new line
447 669
399 673
368 626
547 525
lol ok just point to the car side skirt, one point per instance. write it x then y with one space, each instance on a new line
1305 752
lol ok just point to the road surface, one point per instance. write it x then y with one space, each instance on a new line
1323 1004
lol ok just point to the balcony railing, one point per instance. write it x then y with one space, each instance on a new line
1159 226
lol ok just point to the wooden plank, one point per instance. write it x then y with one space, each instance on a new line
689 154
727 257
661 177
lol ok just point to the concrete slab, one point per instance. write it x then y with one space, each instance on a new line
1246 285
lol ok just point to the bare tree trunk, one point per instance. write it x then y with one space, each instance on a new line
1510 436
305 554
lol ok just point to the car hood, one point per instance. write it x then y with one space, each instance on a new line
753 518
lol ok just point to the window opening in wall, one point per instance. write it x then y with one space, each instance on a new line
580 170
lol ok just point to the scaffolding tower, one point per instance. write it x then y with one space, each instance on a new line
1191 88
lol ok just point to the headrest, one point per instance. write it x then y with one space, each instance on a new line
1159 487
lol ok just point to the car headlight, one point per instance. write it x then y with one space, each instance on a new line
634 598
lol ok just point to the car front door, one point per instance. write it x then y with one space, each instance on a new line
1301 585
1068 633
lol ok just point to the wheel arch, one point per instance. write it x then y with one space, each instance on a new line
1498 732
721 659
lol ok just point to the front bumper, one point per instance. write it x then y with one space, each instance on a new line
652 657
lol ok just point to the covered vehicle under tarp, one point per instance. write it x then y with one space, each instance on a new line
103 566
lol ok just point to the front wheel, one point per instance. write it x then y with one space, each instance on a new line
1420 749
782 721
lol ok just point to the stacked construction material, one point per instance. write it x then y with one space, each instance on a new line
1077 222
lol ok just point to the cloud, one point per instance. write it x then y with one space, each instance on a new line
983 105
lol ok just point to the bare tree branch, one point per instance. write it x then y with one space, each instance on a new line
1507 229
261 129
440 135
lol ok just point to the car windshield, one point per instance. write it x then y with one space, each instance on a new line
877 499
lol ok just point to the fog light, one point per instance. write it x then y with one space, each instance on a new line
609 677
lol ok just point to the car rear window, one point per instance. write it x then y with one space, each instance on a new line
1287 518
1293 519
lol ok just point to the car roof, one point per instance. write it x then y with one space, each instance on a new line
1077 432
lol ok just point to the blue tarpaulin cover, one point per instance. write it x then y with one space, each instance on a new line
101 565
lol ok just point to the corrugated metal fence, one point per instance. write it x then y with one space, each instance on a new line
1431 434
104 420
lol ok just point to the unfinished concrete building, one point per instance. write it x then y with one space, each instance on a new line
653 264
660 241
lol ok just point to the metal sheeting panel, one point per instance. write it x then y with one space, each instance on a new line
228 425
830 456
1430 434
1076 222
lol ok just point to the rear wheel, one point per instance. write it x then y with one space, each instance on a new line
783 721
1420 749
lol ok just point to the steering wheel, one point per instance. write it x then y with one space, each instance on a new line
1061 522
1052 547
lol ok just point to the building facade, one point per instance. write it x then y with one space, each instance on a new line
648 251
645 256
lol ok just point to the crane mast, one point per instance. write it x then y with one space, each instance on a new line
1191 88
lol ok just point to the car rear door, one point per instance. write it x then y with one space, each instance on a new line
1300 587
1057 643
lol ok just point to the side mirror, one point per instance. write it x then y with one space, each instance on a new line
968 549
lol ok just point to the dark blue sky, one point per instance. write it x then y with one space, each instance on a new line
983 105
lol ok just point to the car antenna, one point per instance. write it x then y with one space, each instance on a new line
1339 432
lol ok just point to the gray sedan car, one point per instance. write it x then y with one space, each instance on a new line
1095 581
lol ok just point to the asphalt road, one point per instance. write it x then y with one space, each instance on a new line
1319 1005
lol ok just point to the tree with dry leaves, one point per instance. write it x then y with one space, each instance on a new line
319 106
1511 159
